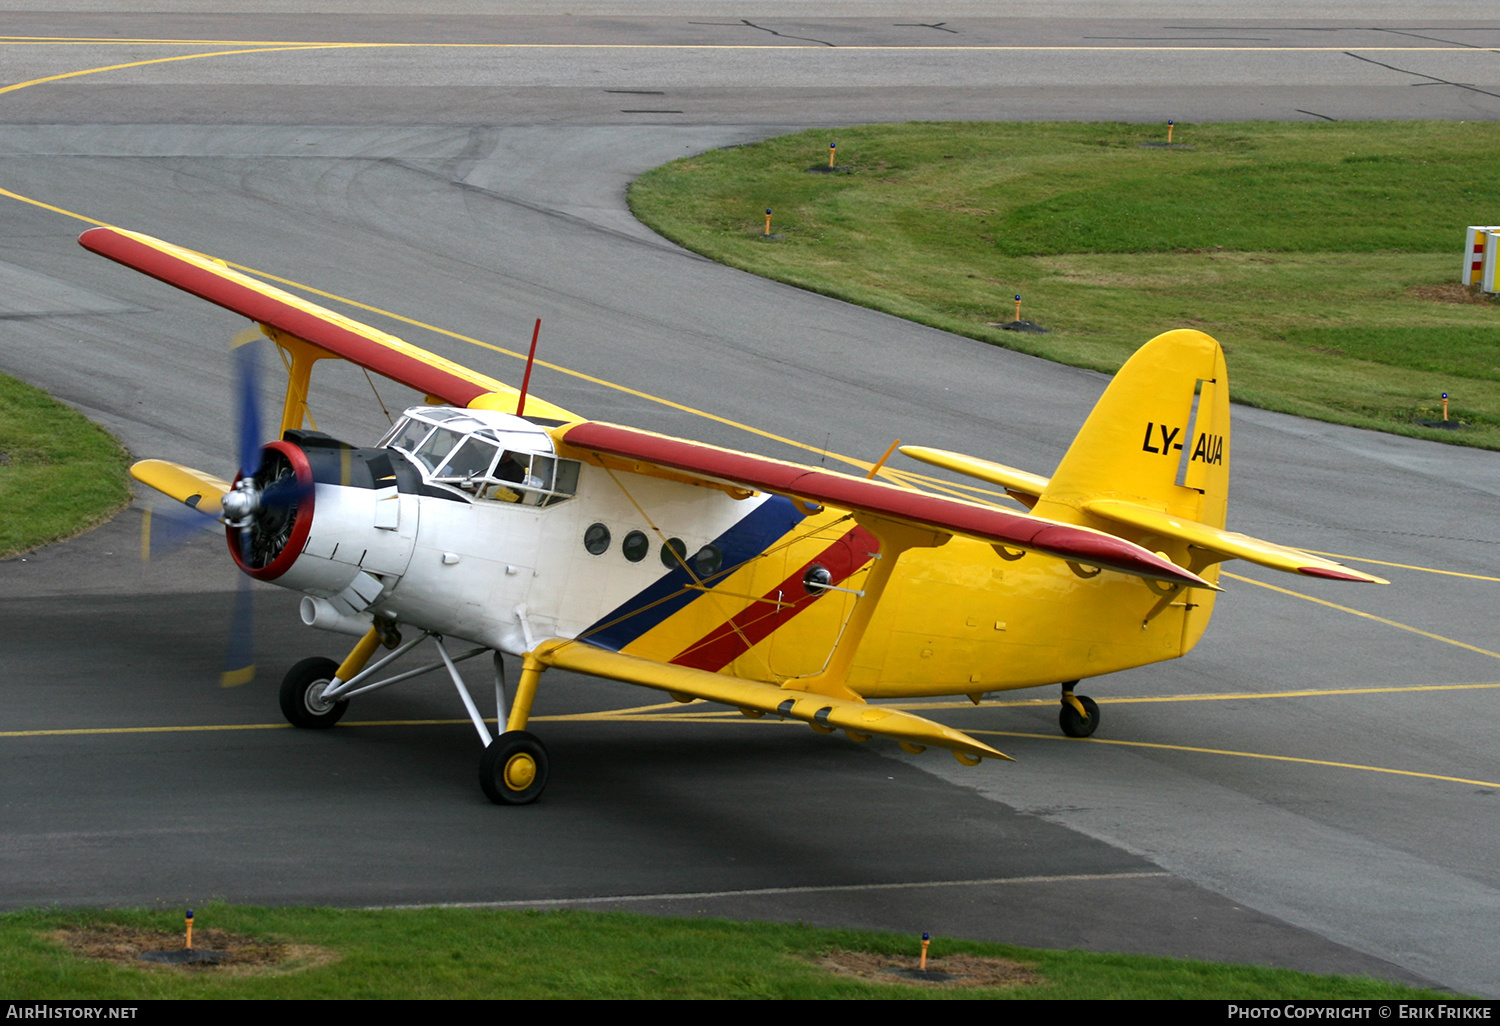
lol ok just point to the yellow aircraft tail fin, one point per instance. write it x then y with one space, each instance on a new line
1158 437
1151 465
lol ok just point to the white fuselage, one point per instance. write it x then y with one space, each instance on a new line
504 574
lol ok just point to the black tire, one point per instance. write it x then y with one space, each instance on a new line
513 769
300 691
1074 725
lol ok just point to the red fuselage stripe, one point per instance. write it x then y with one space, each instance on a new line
760 619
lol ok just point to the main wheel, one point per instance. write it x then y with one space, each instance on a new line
1074 725
513 769
302 694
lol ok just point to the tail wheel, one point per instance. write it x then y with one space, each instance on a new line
302 700
513 769
1074 725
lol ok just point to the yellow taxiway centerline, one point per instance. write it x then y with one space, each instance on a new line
736 718
1403 566
1244 755
787 45
668 711
1236 696
160 60
1367 616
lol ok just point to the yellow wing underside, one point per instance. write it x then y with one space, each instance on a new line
194 488
822 712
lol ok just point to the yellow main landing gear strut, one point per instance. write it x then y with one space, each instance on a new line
513 768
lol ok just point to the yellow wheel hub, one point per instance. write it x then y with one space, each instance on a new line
520 771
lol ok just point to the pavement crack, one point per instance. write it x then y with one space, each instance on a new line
1431 79
1431 39
783 35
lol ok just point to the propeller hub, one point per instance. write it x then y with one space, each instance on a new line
241 503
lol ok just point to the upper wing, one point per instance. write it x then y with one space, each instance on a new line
876 498
385 354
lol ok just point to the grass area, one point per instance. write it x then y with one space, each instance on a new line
60 474
473 953
1325 257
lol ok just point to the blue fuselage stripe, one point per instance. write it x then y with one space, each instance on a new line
758 531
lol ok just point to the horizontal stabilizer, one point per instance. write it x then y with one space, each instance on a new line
821 711
1226 543
879 500
203 492
1020 484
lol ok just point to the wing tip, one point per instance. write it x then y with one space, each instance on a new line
1328 573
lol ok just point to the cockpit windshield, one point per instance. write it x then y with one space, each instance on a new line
486 455
471 459
436 447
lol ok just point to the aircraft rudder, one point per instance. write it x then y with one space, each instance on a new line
1159 435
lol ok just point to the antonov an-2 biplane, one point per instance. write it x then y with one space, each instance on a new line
707 573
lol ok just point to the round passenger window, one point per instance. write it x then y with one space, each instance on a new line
817 579
635 546
596 539
708 560
673 553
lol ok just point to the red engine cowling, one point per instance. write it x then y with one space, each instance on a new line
269 544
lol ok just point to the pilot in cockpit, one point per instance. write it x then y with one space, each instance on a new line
510 470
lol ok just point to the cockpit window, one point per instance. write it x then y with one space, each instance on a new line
471 460
436 448
558 478
389 438
409 434
473 453
532 479
446 413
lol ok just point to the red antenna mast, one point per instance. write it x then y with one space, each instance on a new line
530 359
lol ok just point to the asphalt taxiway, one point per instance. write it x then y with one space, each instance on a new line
1313 786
